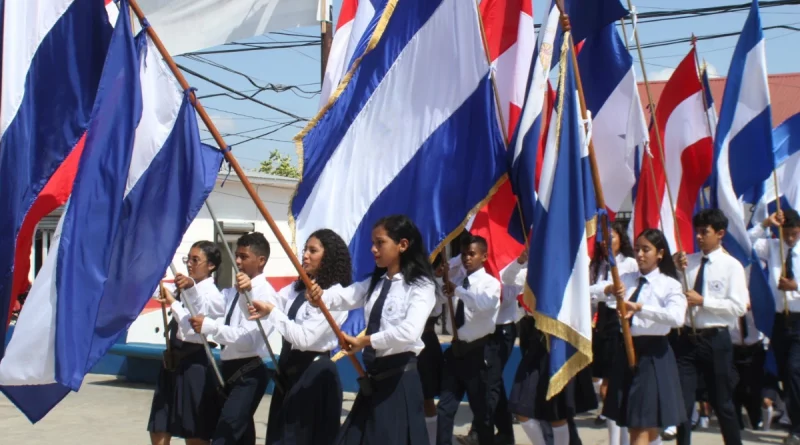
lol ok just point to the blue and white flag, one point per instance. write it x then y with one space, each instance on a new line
618 125
558 269
743 143
743 157
141 180
786 151
413 131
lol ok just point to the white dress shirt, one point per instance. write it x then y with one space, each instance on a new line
457 272
205 299
625 265
241 338
404 314
310 330
769 250
725 294
512 278
662 298
753 334
440 298
481 303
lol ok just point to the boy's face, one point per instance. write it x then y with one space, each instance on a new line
791 236
248 262
473 257
708 239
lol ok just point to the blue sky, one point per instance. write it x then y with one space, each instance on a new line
301 66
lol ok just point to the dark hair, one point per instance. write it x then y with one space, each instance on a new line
257 243
659 241
480 241
414 262
335 266
600 255
211 251
464 238
710 217
437 261
625 246
791 219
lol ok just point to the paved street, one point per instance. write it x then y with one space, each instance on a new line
111 411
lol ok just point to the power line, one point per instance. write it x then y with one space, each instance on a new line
231 90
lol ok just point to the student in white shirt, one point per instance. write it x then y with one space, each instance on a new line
243 348
309 378
186 401
647 399
607 334
717 298
783 280
397 301
472 363
753 388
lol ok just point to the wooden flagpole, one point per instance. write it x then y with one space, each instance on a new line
660 141
245 182
598 190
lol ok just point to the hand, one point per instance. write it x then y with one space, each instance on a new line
631 308
197 322
183 282
260 309
786 284
356 343
243 282
681 262
314 295
693 298
523 257
611 290
166 298
774 220
448 289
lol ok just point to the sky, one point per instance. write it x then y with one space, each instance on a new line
238 120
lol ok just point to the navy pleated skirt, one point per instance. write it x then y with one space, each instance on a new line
605 339
309 412
430 363
650 395
529 392
186 402
393 414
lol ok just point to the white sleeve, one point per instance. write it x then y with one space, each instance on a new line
672 311
339 298
484 298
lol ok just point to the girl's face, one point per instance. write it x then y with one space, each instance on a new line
198 266
385 250
615 242
312 256
647 256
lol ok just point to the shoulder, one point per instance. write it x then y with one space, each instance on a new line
729 261
670 285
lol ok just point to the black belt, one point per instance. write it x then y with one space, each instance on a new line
791 317
249 365
430 325
462 348
367 383
298 361
704 332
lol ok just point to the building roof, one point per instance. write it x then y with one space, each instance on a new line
784 91
258 178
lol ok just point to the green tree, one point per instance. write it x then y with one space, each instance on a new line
280 165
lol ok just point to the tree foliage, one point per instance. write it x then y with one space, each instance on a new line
280 165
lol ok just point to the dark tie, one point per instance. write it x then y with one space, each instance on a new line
743 327
230 311
698 282
292 314
460 317
635 296
789 265
374 324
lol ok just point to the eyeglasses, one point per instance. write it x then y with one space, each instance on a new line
193 261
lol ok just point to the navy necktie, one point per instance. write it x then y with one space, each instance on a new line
789 265
374 324
460 317
230 311
635 296
291 315
698 282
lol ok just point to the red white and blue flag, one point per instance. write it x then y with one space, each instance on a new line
140 180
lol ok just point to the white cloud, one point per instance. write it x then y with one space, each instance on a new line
661 75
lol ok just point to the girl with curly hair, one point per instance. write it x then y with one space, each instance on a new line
397 301
308 408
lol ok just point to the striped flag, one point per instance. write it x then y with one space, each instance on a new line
687 161
142 155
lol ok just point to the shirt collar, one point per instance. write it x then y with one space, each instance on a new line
714 255
397 277
205 285
655 273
